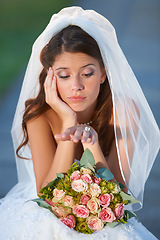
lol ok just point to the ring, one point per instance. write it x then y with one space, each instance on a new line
87 129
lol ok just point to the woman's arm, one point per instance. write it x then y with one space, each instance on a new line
48 157
91 142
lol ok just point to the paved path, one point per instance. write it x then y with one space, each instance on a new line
137 25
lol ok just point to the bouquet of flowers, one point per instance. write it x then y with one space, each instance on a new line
86 200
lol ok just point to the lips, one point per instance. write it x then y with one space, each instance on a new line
76 98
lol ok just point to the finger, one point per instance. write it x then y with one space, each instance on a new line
49 78
93 139
86 136
60 137
54 85
77 135
66 135
69 132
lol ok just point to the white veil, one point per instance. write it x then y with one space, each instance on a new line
136 132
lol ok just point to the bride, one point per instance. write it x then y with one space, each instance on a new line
87 97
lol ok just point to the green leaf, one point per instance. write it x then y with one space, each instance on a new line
131 200
130 214
122 221
42 203
120 184
105 173
60 175
87 160
112 224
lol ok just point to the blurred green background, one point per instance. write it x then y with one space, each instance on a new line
21 22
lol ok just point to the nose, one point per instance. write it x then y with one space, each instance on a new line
77 84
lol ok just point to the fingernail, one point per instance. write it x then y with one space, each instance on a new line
50 69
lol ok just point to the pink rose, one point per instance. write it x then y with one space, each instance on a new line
68 201
81 211
60 211
95 190
79 185
94 223
87 178
75 175
93 205
69 221
119 211
50 202
105 199
59 194
96 180
106 215
85 198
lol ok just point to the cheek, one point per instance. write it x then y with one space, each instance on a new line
94 89
61 89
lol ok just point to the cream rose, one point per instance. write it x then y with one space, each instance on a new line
68 201
93 205
60 211
59 194
79 185
95 190
94 223
55 200
86 171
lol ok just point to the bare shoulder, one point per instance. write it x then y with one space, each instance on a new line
47 119
42 129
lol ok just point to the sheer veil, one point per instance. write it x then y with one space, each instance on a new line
136 132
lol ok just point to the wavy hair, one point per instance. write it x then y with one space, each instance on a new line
72 39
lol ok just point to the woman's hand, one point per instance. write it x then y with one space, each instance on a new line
52 99
84 133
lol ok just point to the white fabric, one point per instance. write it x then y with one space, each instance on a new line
135 131
27 221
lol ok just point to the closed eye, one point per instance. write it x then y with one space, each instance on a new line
88 74
67 76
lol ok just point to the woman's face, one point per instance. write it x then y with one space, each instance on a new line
78 80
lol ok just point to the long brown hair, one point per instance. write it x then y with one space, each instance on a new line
72 39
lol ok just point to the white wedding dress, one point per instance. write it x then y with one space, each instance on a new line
21 219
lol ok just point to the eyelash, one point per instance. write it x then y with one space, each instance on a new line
63 77
85 75
88 74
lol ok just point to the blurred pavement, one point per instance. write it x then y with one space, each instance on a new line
137 26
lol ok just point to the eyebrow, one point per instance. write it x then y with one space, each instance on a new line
63 68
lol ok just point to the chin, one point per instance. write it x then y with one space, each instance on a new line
78 108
